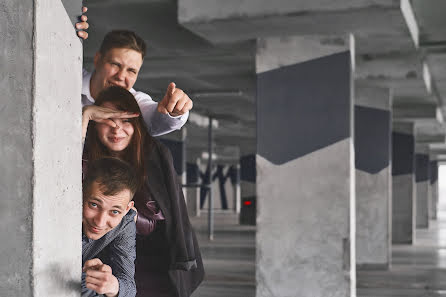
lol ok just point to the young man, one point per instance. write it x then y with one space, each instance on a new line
117 63
108 229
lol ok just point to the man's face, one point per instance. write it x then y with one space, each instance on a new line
118 67
101 213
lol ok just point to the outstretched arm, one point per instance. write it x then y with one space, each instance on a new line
169 114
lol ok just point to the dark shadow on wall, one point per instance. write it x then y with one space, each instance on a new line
73 9
372 139
303 107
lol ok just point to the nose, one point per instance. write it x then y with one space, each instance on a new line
118 123
100 219
120 75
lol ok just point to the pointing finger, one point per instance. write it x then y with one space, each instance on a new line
171 89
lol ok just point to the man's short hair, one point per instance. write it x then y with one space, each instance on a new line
112 174
123 39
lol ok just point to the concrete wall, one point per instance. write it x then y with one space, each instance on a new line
16 83
403 183
41 150
305 173
373 121
422 179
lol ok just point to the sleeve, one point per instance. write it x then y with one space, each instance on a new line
158 123
122 255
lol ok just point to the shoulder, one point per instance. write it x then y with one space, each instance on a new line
140 95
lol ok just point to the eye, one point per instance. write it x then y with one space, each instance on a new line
92 204
115 212
126 120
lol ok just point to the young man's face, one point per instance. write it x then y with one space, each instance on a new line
101 213
118 67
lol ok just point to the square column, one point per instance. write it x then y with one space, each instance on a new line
373 129
422 179
403 183
40 132
433 178
305 168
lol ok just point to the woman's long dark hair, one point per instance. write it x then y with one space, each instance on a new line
134 153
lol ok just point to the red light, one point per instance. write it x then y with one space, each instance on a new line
247 202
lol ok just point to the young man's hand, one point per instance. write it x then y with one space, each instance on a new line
82 25
99 278
175 102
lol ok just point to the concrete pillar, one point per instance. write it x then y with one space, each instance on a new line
237 190
305 168
373 128
422 181
40 151
433 176
193 194
403 183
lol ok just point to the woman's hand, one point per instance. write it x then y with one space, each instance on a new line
103 115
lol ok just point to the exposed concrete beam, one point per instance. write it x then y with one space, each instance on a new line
222 21
415 112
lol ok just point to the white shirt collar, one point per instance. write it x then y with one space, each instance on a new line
86 86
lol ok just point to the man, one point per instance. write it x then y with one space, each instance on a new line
118 63
169 114
108 229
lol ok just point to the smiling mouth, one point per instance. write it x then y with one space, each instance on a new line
115 139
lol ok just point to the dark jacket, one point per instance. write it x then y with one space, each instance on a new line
182 259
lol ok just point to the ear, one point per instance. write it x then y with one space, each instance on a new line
130 205
97 58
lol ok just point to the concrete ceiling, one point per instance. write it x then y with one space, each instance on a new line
211 55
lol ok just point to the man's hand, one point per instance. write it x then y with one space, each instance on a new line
175 102
82 25
99 278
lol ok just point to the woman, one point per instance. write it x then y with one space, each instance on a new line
168 261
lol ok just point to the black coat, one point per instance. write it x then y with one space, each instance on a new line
174 249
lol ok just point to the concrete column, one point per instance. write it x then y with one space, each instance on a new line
403 183
193 194
248 190
305 168
237 190
433 176
422 179
373 128
40 151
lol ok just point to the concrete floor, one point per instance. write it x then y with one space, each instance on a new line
229 260
417 270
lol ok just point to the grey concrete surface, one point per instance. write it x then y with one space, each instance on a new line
229 260
57 150
41 151
16 184
417 270
403 184
423 181
304 246
373 189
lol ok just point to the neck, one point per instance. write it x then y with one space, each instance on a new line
94 89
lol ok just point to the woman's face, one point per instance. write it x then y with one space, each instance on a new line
117 138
